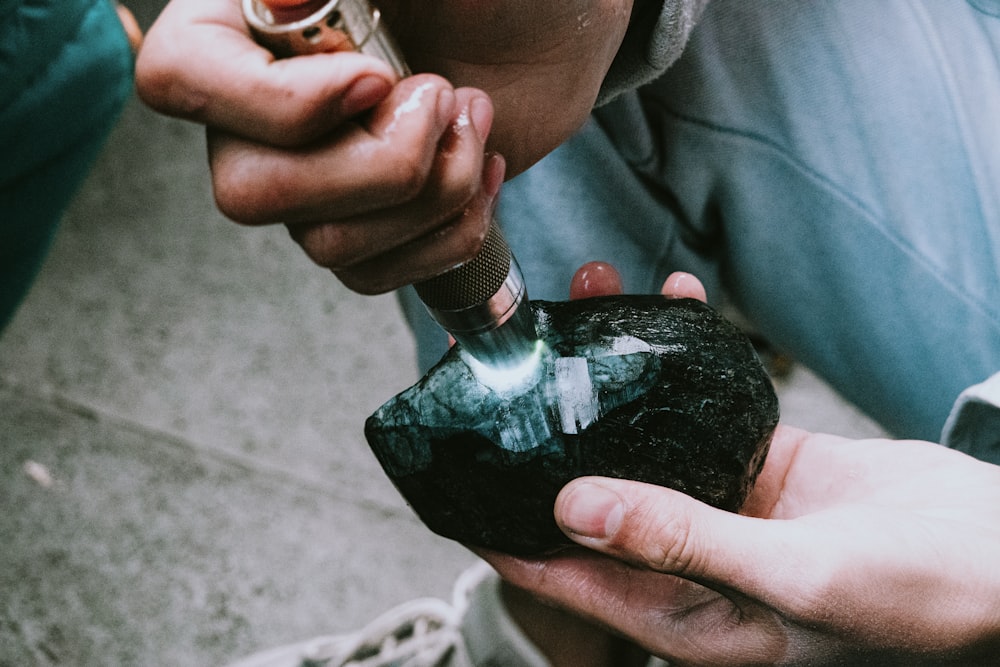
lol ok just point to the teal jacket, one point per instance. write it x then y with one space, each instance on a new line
65 74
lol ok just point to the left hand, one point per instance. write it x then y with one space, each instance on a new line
846 552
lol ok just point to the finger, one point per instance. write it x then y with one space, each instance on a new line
595 279
456 177
680 285
429 256
771 484
359 169
858 572
669 532
199 62
676 619
131 27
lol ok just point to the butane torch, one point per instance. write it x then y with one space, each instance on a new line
482 303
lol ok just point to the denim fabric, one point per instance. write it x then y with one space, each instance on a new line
834 166
657 33
974 424
65 73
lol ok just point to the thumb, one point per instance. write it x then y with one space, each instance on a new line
669 532
199 62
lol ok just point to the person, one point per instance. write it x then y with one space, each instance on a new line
65 74
830 166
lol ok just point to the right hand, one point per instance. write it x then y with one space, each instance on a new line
383 200
384 182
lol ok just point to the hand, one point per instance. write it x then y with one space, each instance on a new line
847 552
384 182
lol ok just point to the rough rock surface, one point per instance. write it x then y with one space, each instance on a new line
664 391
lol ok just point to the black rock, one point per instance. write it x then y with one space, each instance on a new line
659 390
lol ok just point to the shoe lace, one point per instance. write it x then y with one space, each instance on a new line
420 633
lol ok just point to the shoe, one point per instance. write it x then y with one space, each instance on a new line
475 630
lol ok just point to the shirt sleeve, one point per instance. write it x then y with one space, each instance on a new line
657 34
974 424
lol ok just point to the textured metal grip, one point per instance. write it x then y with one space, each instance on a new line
472 283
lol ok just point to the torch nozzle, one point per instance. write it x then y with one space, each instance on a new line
483 305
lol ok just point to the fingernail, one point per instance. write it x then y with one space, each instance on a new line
684 285
493 174
595 279
481 116
590 510
365 93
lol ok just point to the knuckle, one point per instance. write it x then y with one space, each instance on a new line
156 84
235 200
363 283
298 117
327 245
817 584
447 197
163 82
249 186
407 177
666 545
230 203
152 72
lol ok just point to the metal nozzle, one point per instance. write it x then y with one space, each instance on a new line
479 303
333 25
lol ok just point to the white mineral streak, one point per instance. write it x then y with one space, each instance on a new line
578 407
526 427
626 345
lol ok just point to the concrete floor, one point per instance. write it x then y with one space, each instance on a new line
183 474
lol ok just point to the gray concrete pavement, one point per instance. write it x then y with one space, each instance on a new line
183 475
196 392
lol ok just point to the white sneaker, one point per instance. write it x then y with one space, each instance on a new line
475 630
